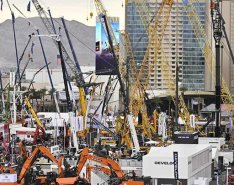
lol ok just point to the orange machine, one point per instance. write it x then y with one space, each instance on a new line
30 160
114 169
99 168
7 170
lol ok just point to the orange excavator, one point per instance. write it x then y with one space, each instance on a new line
6 169
30 160
23 151
115 170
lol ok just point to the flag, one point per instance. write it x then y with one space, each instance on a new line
58 59
1 4
32 47
29 6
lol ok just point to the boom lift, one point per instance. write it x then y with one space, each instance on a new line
30 160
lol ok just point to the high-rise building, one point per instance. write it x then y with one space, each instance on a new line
227 10
179 44
227 67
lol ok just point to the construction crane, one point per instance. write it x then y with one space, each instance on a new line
218 31
137 94
69 103
165 64
75 67
101 11
206 48
103 18
155 40
37 120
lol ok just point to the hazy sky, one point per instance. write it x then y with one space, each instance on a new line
71 9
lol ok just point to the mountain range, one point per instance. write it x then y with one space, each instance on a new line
82 37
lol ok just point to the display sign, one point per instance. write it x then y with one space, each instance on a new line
105 64
175 157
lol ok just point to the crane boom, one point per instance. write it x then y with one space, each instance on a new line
74 66
110 35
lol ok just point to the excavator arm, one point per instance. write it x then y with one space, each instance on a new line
113 167
99 168
30 160
84 156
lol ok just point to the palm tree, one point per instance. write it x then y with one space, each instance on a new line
51 93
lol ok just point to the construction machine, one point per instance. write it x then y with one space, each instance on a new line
127 115
7 169
38 123
31 159
114 169
8 175
73 65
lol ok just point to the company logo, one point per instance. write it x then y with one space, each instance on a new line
163 163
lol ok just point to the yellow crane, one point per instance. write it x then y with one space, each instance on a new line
147 66
139 86
168 78
206 48
137 93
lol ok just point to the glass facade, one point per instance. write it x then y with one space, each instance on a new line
179 44
137 33
193 59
